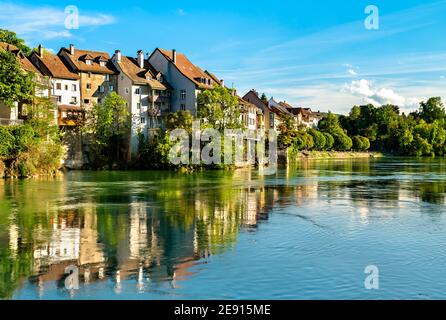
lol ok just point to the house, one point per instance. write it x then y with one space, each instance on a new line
250 114
64 86
263 121
98 76
186 79
146 92
18 113
278 111
303 116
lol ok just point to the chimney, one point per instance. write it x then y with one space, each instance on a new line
118 55
72 49
140 58
40 50
222 83
174 56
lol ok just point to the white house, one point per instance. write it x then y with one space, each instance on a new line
146 93
64 85
185 78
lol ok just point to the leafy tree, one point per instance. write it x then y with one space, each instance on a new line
360 143
342 141
16 85
110 123
11 38
329 141
264 98
179 120
287 132
432 109
219 108
319 139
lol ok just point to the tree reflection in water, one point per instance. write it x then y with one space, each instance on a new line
158 228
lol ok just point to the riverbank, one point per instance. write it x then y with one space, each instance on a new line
333 155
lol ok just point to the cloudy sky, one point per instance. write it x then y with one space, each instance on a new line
309 53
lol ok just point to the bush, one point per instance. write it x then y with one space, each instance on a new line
342 141
360 143
318 138
7 141
329 141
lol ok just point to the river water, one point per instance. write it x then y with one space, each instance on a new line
307 232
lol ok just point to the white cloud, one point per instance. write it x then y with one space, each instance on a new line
44 22
378 96
352 72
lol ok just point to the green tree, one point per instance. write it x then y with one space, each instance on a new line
110 122
329 141
179 120
16 85
287 132
318 138
11 38
219 108
432 109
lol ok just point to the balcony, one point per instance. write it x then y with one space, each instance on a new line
70 116
159 98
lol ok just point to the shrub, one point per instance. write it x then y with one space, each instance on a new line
342 141
360 143
318 138
7 141
329 141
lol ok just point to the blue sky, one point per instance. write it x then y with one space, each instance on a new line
309 53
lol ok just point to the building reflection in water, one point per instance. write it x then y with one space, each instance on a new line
160 233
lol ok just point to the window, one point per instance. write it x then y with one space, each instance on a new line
86 101
143 119
88 86
183 107
66 87
58 86
101 89
73 100
89 74
59 98
73 87
88 62
111 88
138 91
107 77
138 105
102 63
122 78
183 94
126 90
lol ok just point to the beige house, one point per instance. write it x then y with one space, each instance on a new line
98 76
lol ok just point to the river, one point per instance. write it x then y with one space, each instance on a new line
307 232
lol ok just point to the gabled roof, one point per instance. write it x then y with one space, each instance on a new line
55 65
21 58
130 67
187 68
80 56
256 97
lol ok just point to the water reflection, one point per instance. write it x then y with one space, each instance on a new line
154 229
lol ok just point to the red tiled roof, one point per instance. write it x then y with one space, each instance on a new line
187 68
79 61
55 65
21 58
130 67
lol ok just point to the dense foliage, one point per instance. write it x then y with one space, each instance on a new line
108 126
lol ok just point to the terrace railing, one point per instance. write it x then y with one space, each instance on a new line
10 122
